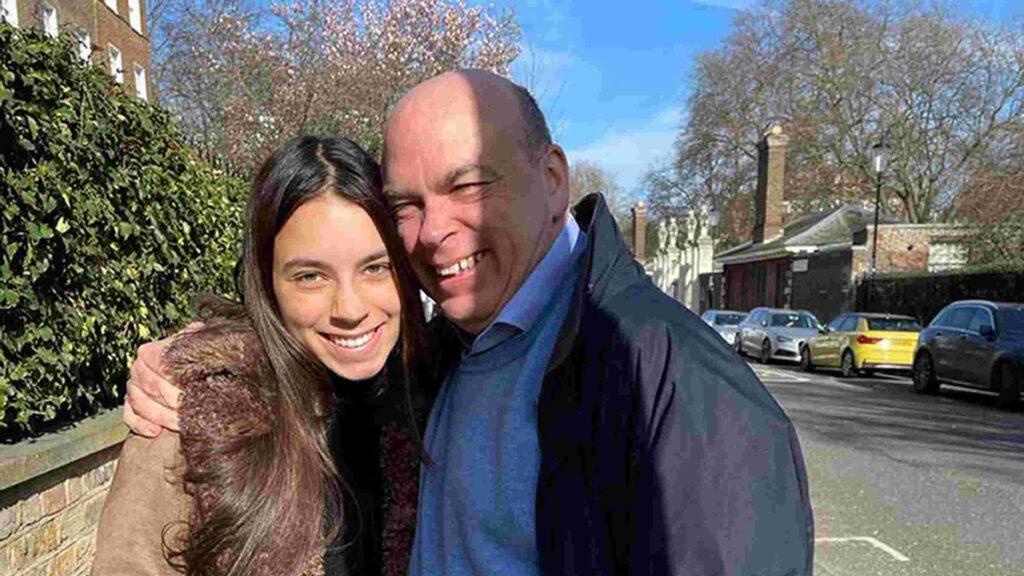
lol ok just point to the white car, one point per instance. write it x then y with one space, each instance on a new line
775 334
725 322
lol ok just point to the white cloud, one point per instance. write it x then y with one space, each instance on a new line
727 4
628 152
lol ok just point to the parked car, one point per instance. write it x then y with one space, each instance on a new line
859 343
973 343
725 322
775 334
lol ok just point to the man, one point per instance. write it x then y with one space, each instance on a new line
584 422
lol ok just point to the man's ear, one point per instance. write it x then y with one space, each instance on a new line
556 171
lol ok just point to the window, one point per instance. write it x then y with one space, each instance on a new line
725 319
84 43
48 18
792 320
960 318
140 82
981 318
9 12
112 4
1012 320
845 324
135 15
116 64
895 324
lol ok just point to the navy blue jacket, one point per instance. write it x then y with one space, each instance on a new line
661 452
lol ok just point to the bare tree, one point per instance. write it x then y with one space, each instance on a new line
589 178
946 93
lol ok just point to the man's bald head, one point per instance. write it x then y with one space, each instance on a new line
478 189
490 93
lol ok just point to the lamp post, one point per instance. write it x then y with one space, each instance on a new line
879 161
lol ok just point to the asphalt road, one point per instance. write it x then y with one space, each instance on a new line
904 484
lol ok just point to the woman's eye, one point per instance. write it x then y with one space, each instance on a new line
308 277
378 269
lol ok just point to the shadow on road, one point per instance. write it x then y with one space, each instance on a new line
886 416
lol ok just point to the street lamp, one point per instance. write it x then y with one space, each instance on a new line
879 160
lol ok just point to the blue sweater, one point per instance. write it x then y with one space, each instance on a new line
476 508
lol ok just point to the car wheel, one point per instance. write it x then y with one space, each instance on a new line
739 344
925 381
766 352
848 367
1008 385
805 359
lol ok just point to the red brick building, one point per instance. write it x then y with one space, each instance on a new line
814 262
111 33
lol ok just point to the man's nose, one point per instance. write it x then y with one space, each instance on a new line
350 307
437 223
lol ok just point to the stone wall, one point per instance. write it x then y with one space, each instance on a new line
52 491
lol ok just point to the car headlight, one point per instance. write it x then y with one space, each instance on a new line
783 339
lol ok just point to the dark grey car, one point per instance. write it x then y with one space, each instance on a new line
973 343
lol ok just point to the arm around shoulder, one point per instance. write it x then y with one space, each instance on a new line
146 507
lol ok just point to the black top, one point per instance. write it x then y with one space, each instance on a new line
361 410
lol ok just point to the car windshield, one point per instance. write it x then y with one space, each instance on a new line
894 324
793 320
729 319
1013 320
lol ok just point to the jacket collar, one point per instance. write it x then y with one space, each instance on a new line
609 268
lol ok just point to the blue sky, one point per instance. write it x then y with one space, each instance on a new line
612 76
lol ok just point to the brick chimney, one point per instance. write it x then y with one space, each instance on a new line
639 231
771 172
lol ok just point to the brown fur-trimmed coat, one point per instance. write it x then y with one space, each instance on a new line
219 373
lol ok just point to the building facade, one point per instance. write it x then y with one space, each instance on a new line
814 262
110 33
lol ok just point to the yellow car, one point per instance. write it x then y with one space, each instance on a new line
859 343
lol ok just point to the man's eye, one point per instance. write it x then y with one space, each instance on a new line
403 211
309 278
471 186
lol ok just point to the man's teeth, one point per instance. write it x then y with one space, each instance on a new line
353 342
464 264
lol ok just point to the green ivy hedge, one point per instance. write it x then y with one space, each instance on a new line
111 226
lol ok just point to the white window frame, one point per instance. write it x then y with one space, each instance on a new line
135 15
9 12
112 4
48 18
116 63
84 43
140 82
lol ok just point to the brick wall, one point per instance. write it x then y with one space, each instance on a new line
48 521
901 247
105 27
114 29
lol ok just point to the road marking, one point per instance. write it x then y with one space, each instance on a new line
873 541
769 374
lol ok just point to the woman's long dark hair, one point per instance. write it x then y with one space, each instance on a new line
286 476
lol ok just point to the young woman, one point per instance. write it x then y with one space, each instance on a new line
298 444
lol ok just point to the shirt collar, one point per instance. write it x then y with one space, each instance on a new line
526 305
